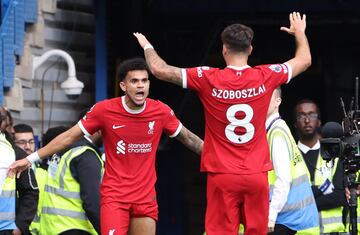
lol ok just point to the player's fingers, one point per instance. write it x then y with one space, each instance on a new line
10 173
285 29
304 17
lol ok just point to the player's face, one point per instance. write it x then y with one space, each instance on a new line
136 87
307 121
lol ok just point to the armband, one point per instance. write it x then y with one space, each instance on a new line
33 157
148 46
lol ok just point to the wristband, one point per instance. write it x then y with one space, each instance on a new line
148 46
33 157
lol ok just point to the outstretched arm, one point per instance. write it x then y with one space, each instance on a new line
190 140
302 59
158 67
61 142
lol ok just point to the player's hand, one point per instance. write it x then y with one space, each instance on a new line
297 23
17 167
141 39
347 192
16 232
271 226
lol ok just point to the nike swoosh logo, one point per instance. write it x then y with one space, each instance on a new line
117 127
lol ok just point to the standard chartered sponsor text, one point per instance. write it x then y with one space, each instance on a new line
238 94
139 148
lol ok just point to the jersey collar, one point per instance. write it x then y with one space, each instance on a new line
129 110
238 68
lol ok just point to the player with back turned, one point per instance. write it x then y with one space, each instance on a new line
236 100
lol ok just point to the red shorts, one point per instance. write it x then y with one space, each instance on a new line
232 199
115 216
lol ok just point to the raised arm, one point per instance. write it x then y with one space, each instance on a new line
59 143
158 67
190 140
302 59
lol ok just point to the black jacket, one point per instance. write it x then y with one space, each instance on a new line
28 195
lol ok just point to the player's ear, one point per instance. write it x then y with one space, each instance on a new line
122 86
250 50
224 50
278 101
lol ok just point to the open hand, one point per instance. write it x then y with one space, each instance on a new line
17 167
141 39
297 23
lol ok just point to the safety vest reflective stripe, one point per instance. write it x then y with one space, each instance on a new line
36 218
298 205
331 220
63 212
62 192
295 182
7 193
7 215
64 167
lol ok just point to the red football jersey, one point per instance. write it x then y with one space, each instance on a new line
235 101
130 138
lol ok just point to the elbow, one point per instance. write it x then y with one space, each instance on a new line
306 63
156 72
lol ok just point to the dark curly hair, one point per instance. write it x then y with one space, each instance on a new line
131 65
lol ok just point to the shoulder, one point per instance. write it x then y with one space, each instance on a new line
200 71
104 105
279 129
161 108
156 104
277 68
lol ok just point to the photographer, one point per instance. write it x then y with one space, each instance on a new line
327 178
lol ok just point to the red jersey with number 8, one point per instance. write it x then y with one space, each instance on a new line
235 101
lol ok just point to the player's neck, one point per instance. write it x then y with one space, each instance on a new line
236 61
130 106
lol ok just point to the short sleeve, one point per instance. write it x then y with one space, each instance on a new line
277 74
172 125
194 78
91 122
